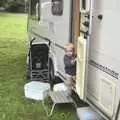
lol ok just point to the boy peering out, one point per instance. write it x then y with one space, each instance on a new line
70 66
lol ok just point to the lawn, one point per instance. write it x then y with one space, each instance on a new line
13 51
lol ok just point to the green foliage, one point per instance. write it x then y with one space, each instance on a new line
2 2
15 6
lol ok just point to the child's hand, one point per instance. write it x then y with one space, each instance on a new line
73 61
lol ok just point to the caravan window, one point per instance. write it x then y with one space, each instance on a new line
57 7
83 4
35 9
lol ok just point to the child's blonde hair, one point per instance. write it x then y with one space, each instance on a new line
70 46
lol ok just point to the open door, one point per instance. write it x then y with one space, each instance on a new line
81 67
83 48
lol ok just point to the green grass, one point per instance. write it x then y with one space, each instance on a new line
13 51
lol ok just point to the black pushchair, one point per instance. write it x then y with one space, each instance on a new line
38 61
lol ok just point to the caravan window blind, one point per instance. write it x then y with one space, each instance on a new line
57 7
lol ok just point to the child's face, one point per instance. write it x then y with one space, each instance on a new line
69 52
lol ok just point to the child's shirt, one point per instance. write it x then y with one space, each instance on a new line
70 68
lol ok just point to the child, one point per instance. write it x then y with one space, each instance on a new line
70 66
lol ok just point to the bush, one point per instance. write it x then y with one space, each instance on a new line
15 7
2 2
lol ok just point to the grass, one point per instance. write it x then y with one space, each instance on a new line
13 51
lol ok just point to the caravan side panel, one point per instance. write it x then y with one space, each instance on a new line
104 63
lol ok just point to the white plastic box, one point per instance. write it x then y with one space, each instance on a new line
36 90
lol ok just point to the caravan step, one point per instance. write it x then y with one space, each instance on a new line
87 113
58 97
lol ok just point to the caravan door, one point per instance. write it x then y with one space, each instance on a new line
81 68
83 48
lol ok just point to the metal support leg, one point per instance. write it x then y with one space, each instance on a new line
51 111
53 106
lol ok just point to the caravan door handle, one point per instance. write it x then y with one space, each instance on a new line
86 23
100 16
84 32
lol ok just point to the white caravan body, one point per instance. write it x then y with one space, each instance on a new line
98 61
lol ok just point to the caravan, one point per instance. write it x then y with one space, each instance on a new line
93 26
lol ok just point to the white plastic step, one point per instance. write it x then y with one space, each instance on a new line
60 87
